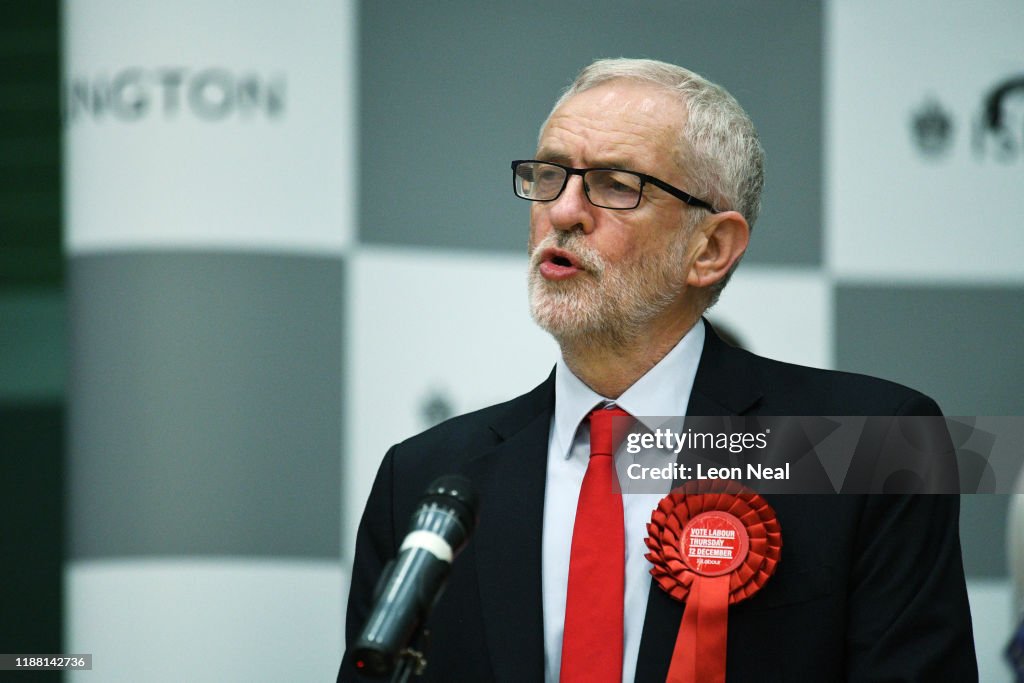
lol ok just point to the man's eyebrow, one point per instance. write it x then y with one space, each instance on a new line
551 155
559 158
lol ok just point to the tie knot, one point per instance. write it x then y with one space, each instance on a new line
602 439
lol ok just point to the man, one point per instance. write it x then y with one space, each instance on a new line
646 182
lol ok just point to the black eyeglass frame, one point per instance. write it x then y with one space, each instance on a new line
685 197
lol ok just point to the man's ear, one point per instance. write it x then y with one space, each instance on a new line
720 241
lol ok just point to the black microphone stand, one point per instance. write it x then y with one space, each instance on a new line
411 662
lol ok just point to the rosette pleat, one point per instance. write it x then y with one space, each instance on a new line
699 653
677 508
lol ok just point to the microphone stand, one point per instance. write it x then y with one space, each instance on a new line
411 662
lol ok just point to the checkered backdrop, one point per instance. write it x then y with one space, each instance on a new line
269 287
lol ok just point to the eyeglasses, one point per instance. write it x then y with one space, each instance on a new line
607 188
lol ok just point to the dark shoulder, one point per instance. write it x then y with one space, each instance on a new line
790 389
456 434
451 446
446 446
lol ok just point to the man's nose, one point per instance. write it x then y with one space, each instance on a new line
572 210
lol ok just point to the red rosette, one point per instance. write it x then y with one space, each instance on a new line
712 543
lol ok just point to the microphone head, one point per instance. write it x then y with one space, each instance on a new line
457 493
412 582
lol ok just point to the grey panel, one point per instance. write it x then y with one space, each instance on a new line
960 345
983 522
205 405
464 86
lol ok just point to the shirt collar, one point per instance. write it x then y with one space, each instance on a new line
663 391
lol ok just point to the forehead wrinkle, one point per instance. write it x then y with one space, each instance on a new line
619 136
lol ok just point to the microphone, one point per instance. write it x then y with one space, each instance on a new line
413 581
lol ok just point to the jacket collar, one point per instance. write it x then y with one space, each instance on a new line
727 381
507 546
507 543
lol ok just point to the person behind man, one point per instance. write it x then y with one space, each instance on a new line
644 188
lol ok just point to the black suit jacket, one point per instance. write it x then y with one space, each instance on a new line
869 588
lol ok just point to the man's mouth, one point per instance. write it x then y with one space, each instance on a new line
557 264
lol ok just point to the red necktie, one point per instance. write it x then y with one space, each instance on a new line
592 638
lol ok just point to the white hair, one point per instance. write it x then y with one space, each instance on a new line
719 151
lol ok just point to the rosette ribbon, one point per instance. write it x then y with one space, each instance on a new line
712 544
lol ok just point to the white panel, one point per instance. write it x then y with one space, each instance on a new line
433 333
199 123
215 620
893 209
781 313
991 615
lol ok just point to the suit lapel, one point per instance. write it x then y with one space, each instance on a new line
507 544
724 386
727 380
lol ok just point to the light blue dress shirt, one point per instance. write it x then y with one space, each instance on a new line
663 391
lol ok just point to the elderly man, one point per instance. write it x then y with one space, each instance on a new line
645 185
